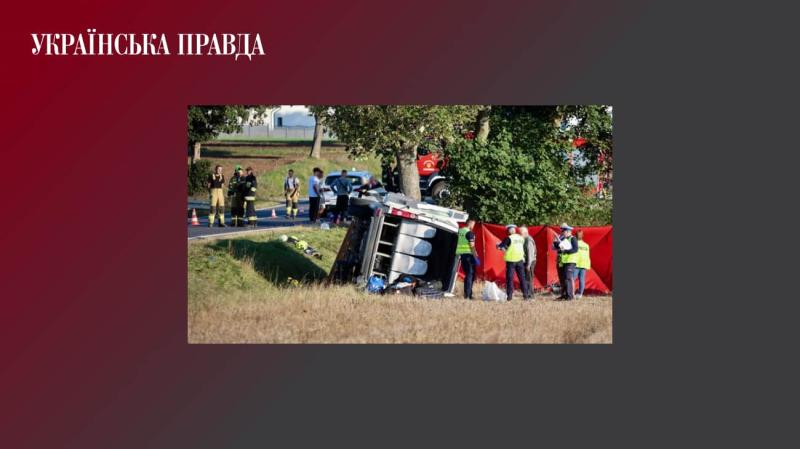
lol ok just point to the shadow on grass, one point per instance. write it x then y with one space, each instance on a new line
273 260
224 154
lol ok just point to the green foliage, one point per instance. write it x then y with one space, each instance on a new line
521 174
206 122
270 183
383 129
593 123
589 211
261 261
501 182
198 176
393 132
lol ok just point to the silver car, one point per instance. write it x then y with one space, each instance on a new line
357 178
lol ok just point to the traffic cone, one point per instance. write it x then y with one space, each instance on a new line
195 222
273 213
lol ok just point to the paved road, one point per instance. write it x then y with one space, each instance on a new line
265 221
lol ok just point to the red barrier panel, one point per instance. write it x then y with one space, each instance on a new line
545 273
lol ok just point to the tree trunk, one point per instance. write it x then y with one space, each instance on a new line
409 176
196 152
482 124
316 146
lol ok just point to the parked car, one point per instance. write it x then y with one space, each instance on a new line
357 178
393 236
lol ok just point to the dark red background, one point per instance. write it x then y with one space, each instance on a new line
93 328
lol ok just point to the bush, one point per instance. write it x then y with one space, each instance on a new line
500 182
198 176
590 211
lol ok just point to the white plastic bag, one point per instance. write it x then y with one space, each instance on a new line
565 245
491 292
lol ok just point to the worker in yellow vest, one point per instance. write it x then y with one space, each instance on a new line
465 250
567 247
514 248
583 263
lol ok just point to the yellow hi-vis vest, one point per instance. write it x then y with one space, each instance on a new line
583 256
565 258
515 251
462 247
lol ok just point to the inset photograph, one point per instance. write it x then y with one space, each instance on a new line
400 224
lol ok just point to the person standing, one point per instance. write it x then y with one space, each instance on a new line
465 250
371 184
291 190
314 194
567 246
513 245
342 188
530 257
217 208
249 189
236 196
582 264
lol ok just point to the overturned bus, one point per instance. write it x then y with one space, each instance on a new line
392 236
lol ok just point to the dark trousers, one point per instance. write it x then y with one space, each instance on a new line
468 265
313 208
519 268
250 205
340 213
529 277
566 277
237 211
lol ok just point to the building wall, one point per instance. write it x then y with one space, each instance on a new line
293 116
297 124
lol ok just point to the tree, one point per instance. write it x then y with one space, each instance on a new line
521 173
482 124
395 132
592 124
319 113
207 122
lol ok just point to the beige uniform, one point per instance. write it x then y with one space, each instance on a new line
291 190
217 200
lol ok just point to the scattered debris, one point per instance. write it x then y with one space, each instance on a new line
491 292
302 245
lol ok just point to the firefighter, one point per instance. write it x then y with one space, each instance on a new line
514 248
249 189
216 181
291 190
237 197
567 246
465 250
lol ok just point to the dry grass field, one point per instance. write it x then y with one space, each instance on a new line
243 291
344 315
